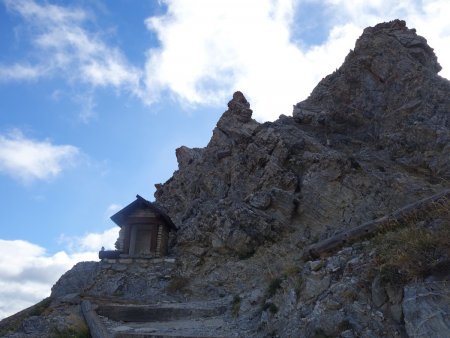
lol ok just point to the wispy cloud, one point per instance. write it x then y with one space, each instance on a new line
20 72
87 104
28 160
65 47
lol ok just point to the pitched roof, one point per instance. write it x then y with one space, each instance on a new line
120 217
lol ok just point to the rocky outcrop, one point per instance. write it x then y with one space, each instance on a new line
371 138
76 280
236 193
386 94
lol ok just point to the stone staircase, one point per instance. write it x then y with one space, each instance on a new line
190 319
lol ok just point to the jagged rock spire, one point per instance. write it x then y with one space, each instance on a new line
236 124
239 107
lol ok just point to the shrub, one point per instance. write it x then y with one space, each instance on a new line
40 307
270 306
319 333
177 283
274 285
236 305
246 255
75 327
70 333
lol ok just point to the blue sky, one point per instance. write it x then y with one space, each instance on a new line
95 96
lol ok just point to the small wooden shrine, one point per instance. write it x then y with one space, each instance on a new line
144 231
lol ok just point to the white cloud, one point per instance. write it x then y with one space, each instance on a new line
27 272
91 241
29 160
20 72
65 47
209 49
428 17
94 241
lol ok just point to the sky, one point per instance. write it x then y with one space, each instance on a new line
95 96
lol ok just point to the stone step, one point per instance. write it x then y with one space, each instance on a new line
163 312
139 335
200 327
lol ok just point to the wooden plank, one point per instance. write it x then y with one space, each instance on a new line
144 220
371 228
142 212
96 327
126 240
154 238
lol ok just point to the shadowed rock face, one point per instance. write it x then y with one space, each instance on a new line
387 95
236 193
372 136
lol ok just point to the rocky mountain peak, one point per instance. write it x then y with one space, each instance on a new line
240 107
236 124
391 41
386 90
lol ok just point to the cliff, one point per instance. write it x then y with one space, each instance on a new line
371 138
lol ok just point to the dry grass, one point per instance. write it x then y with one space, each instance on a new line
414 251
291 270
70 333
177 284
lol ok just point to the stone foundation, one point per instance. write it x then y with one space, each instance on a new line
141 260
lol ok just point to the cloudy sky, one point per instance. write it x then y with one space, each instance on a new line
95 96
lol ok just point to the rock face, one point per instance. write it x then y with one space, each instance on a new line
371 138
236 193
427 309
386 94
76 279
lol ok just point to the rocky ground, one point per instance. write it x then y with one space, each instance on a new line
372 137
